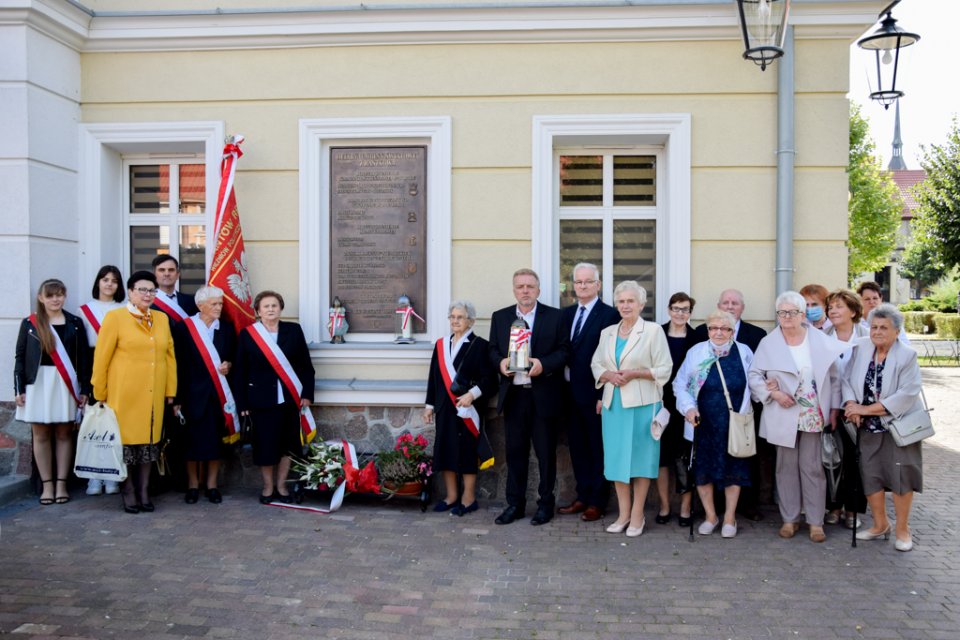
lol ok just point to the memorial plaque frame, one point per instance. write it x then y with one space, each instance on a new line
378 232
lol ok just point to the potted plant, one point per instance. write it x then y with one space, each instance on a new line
406 469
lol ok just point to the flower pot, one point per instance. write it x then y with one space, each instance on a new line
405 489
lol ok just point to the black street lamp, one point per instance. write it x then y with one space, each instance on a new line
886 43
763 23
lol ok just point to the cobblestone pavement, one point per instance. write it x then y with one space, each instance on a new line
374 569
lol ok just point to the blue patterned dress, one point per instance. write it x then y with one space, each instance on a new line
713 464
629 451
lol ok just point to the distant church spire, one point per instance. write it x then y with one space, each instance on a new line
896 160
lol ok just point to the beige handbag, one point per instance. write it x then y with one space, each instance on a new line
741 439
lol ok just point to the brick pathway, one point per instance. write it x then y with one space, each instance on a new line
241 570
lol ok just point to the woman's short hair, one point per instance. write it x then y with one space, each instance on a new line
680 296
207 292
109 269
266 294
817 291
466 306
791 298
631 285
850 299
889 312
870 285
141 275
722 316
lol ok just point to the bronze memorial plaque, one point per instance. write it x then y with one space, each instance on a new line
378 225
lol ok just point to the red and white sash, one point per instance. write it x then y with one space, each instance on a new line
211 359
469 414
61 359
284 370
91 317
170 307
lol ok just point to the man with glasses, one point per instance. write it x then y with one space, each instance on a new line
582 323
176 304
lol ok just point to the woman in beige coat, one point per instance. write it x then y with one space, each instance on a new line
794 376
134 373
632 363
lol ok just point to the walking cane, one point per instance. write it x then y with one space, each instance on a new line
693 482
856 517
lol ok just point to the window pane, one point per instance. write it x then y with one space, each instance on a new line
146 243
193 266
580 241
150 188
193 188
581 181
635 257
634 181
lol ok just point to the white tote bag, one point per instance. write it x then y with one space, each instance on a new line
99 449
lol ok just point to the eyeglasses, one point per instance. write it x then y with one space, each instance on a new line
144 291
680 309
720 329
583 283
457 318
793 313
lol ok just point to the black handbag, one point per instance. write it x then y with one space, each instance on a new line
246 430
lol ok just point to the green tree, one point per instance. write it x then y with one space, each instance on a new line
921 259
875 206
938 199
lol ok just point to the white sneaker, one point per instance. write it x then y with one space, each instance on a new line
111 487
707 527
728 530
94 487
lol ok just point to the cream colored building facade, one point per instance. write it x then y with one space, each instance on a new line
502 94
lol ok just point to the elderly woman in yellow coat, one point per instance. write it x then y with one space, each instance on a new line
134 373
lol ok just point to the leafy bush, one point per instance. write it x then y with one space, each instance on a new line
948 325
919 321
913 305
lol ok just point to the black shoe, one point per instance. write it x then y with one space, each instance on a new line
685 522
285 499
662 519
442 506
214 496
192 496
126 509
510 514
753 514
461 510
147 507
266 499
542 516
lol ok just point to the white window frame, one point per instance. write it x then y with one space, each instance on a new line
103 203
588 134
317 136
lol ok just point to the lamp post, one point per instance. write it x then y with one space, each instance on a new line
763 24
886 43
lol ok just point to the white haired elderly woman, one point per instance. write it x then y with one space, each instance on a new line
459 376
632 363
205 346
794 375
882 382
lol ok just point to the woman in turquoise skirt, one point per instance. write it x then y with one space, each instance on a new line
632 363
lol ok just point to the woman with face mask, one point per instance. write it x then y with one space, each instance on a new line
816 312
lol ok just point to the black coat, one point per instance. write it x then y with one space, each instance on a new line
195 387
29 353
749 334
549 343
186 302
582 384
254 382
473 368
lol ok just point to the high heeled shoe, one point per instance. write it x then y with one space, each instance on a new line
903 545
660 519
128 509
870 535
65 498
636 532
47 501
618 527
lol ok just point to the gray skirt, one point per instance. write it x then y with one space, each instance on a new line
887 467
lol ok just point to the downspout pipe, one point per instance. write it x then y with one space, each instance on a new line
786 155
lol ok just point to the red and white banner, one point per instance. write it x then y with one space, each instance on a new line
61 360
170 307
91 317
288 377
228 269
211 359
469 414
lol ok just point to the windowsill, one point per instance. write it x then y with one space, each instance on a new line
386 352
356 392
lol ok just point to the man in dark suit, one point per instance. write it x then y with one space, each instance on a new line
731 300
176 304
530 401
582 323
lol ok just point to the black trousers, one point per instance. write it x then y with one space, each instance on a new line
585 439
526 424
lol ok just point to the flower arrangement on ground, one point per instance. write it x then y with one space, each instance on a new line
408 462
326 468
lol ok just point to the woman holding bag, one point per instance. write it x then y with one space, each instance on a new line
51 377
882 383
710 371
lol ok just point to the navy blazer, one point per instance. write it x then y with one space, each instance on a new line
582 385
194 385
254 382
548 343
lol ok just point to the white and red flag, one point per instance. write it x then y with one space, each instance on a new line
228 269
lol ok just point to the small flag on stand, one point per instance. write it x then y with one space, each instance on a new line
228 269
